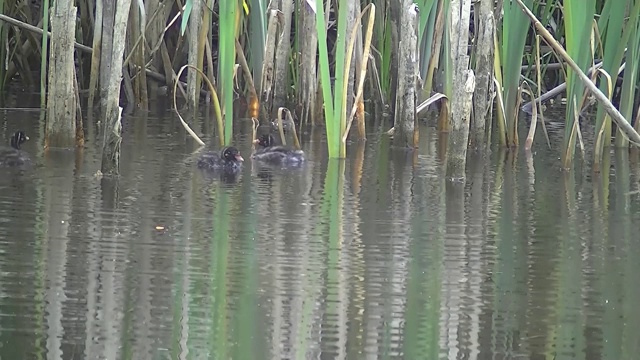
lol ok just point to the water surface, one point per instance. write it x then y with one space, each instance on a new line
373 257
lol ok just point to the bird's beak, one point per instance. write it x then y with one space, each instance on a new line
26 137
239 157
256 141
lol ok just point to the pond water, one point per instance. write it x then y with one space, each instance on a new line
373 257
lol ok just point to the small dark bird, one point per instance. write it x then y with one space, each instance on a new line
276 154
228 160
13 156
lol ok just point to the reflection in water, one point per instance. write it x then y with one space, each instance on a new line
374 256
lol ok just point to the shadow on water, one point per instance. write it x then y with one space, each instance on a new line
374 256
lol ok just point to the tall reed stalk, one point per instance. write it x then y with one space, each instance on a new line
578 17
511 51
611 59
332 123
427 38
631 80
3 50
257 36
228 28
43 52
335 103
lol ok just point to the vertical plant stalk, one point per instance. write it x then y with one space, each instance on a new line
514 34
266 83
483 96
3 50
61 102
154 33
578 18
283 47
426 36
539 86
43 52
408 72
141 77
281 126
208 54
497 82
203 40
253 96
362 133
444 121
169 74
630 78
106 48
339 99
601 130
463 88
95 58
296 141
353 13
195 21
79 126
391 47
254 132
308 44
137 54
363 72
534 119
228 25
112 125
333 141
258 34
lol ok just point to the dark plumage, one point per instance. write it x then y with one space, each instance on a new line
276 154
228 160
13 156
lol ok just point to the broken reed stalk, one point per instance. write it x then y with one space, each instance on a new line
254 132
497 82
214 99
622 123
296 142
534 118
363 67
280 128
